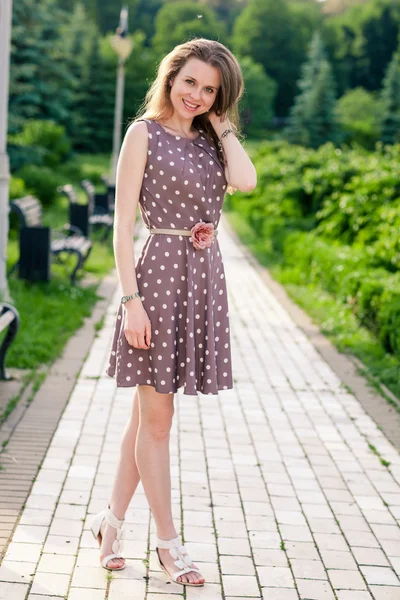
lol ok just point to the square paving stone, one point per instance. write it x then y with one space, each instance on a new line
237 565
314 590
305 550
308 569
124 589
279 594
56 563
270 558
86 594
17 572
89 577
370 556
380 576
209 592
13 591
240 585
233 546
23 552
334 559
50 584
347 580
353 595
385 592
275 577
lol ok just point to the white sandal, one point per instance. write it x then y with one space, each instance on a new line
184 562
118 543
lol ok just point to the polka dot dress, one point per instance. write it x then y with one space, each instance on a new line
183 289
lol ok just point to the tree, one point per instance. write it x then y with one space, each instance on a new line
321 108
39 78
359 113
77 32
390 124
275 34
361 42
177 22
312 116
97 100
256 106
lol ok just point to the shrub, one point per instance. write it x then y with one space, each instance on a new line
45 138
359 113
332 216
41 182
17 188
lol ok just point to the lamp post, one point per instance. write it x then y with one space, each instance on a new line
123 47
5 36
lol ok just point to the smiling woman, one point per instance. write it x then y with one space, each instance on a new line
172 329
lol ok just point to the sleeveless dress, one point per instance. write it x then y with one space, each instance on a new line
182 289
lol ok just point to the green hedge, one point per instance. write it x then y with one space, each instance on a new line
333 217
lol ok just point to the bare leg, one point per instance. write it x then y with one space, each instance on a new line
125 483
153 461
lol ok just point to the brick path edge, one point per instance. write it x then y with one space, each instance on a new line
30 435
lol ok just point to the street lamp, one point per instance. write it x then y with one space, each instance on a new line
123 47
5 36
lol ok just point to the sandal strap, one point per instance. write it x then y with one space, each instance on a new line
184 572
167 544
178 552
109 557
112 519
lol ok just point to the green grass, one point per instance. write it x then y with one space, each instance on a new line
51 312
335 320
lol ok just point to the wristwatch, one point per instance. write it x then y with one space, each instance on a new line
125 299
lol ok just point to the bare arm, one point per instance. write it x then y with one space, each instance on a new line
130 172
240 172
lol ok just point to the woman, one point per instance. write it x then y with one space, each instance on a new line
176 161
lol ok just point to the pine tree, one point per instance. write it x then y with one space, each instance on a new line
323 125
77 33
312 117
96 101
390 124
39 80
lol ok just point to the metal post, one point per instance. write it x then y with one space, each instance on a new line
5 36
122 46
119 103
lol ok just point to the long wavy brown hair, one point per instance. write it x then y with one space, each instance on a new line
157 104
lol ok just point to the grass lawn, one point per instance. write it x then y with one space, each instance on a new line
51 312
334 319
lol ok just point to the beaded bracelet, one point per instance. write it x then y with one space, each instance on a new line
225 133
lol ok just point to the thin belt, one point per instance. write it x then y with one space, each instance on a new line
176 231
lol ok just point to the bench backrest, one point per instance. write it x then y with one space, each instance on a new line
29 211
90 193
69 191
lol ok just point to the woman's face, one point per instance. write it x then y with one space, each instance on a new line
194 88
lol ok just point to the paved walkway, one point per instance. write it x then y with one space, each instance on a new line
281 484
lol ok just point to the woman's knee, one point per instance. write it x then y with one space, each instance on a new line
156 414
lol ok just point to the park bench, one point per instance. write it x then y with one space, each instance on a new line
84 215
110 192
99 201
37 243
9 318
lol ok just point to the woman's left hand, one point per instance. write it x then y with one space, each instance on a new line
219 123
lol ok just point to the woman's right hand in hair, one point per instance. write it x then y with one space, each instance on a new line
137 327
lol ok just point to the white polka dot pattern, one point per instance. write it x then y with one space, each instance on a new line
183 290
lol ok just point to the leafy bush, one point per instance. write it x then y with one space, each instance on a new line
333 217
359 114
17 188
42 182
44 139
